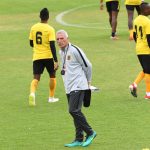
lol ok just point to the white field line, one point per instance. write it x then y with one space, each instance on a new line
59 19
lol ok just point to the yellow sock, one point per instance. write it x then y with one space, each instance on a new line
52 87
34 85
147 81
139 77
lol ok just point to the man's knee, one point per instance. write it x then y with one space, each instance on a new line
74 112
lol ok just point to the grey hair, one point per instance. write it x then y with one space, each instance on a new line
62 31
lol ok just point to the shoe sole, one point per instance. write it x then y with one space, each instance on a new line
72 146
68 145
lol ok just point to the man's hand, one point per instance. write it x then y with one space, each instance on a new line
89 84
56 65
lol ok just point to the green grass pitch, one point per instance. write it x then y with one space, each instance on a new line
121 121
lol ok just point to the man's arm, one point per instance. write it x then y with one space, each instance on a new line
148 39
31 43
85 63
134 36
53 49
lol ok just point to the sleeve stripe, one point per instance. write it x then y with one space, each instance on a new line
80 55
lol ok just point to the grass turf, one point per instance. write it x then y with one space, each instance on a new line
121 121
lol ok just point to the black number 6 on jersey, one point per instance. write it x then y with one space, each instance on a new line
38 37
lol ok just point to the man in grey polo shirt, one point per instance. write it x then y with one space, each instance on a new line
76 72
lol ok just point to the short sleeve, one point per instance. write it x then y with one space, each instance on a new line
52 36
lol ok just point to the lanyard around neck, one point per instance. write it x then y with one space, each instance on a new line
65 55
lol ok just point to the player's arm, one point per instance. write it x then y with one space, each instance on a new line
148 39
134 36
53 49
148 33
31 39
31 43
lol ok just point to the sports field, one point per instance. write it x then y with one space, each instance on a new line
121 121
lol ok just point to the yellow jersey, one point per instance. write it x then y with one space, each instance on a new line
133 2
142 28
42 34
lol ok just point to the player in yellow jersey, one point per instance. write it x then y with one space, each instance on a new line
112 9
141 34
130 6
42 39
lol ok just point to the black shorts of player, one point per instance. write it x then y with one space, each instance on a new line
112 6
41 64
131 8
145 63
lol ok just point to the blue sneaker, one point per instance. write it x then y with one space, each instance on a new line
74 144
89 139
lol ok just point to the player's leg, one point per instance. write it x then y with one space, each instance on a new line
114 25
38 69
110 18
146 68
141 75
115 10
52 88
130 12
52 80
34 83
133 86
139 78
147 82
138 9
108 6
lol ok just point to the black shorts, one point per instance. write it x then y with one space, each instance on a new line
39 65
131 8
145 63
112 6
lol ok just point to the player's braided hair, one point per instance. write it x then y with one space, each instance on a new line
44 14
